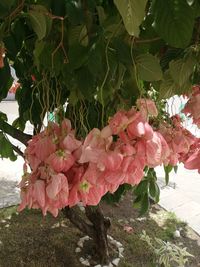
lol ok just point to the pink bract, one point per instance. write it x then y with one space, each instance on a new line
66 171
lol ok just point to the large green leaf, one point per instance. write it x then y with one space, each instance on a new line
167 87
174 21
148 68
133 13
181 70
38 23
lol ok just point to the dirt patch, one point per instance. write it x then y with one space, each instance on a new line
31 240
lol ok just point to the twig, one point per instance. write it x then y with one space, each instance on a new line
60 45
146 41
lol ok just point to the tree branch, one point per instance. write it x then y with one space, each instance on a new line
18 151
15 133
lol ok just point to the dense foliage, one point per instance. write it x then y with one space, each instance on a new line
99 57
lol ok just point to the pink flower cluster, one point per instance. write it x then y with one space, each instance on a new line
179 140
66 171
192 107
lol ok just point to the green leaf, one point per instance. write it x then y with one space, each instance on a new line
83 37
145 204
154 190
174 21
181 70
3 116
77 55
85 81
6 80
167 87
117 195
176 168
148 68
38 23
6 150
101 14
167 170
39 47
142 188
133 13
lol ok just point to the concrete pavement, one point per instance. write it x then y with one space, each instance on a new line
182 195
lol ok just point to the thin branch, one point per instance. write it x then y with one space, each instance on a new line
60 45
18 151
15 133
146 41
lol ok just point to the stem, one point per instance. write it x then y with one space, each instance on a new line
146 41
15 133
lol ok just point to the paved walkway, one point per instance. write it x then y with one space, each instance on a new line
182 196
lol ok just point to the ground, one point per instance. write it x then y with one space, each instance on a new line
28 239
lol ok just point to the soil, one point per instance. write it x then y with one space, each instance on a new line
30 240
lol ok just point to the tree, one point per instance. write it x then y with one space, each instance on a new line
101 58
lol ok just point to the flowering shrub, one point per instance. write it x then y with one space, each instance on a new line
66 171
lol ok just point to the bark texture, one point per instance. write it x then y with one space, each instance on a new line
96 228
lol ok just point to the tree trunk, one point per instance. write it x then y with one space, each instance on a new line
97 228
100 226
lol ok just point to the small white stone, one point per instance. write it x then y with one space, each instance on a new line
56 225
120 255
116 261
121 249
113 242
141 219
1 243
63 224
86 262
118 244
98 265
82 209
132 220
3 221
77 250
110 265
81 259
120 221
84 238
7 225
80 243
110 237
177 234
8 218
